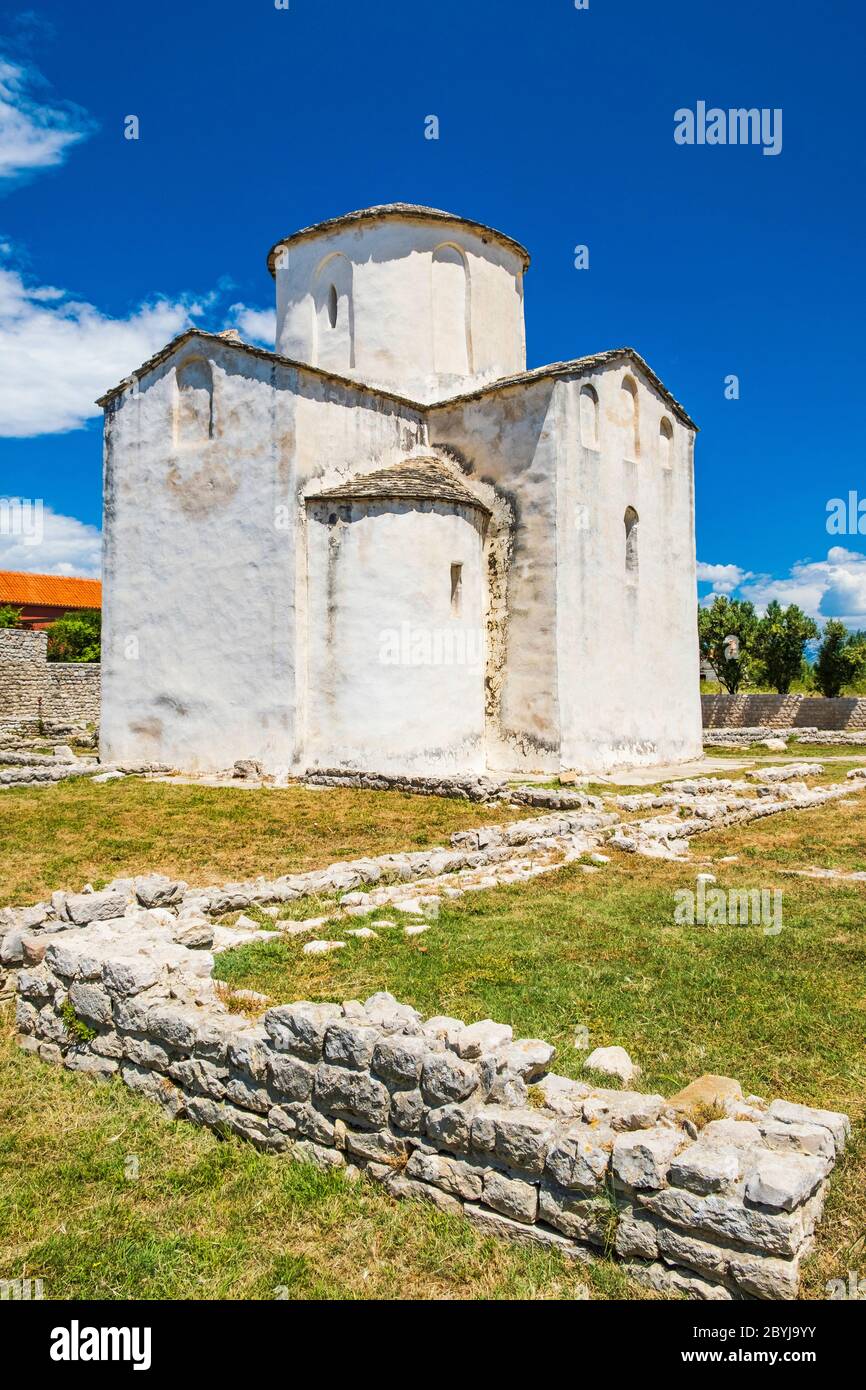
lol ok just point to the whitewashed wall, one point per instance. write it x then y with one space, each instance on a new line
200 569
395 665
627 651
422 308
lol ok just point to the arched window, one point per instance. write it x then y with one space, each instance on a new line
589 417
666 442
631 530
452 347
193 408
334 314
632 418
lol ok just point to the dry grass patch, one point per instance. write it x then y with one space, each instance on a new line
74 833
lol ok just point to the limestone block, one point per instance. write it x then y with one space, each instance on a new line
376 1146
154 1087
408 1111
399 1185
482 1037
772 1233
636 1237
784 1180
518 1138
156 890
351 1094
349 1044
449 1127
83 908
512 1197
622 1110
805 1139
387 1014
100 1067
300 1028
529 1058
494 1224
291 1076
304 1121
582 1218
707 1091
580 1157
125 976
400 1058
612 1061
91 1003
707 1166
462 1178
838 1125
305 1151
446 1077
641 1159
249 1051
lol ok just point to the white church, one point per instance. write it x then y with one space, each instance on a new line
387 546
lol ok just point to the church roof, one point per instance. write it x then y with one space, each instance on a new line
578 366
412 211
416 480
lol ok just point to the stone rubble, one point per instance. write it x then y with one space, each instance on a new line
464 1117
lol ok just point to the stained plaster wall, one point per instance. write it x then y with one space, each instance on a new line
627 655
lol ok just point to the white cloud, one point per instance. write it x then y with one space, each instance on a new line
34 136
831 588
49 543
57 354
259 325
723 578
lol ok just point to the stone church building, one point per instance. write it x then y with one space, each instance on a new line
388 546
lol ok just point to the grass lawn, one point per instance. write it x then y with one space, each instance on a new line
211 1219
73 833
786 1015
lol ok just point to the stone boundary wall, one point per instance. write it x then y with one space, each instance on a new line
464 1117
34 689
783 712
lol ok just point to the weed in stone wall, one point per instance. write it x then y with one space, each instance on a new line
76 1027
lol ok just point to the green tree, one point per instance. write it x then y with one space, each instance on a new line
9 616
726 631
76 637
841 658
780 641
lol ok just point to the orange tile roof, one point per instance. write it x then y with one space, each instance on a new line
49 590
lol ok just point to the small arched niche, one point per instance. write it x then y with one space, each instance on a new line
631 521
631 414
666 443
589 417
452 343
334 314
193 404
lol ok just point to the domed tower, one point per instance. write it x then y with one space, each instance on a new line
409 299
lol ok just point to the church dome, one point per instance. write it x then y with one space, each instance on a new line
413 300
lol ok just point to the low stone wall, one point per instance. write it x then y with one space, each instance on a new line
34 690
461 1116
477 789
783 712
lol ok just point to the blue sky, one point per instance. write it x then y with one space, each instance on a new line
556 125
